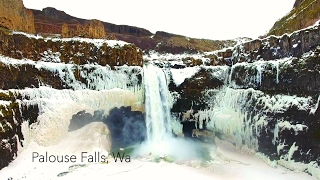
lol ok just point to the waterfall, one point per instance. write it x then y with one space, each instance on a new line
158 121
160 140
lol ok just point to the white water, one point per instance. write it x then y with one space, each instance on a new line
158 121
160 140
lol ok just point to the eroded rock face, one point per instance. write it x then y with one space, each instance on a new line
50 20
12 116
298 76
91 29
275 100
31 62
19 46
272 47
14 16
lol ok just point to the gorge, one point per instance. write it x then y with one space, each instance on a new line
70 95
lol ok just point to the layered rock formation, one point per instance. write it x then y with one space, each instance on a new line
34 62
51 21
14 16
267 99
273 47
91 29
79 52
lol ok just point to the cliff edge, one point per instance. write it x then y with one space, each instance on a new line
15 16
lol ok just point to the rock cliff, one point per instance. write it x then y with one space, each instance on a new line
81 51
91 29
14 16
304 13
29 61
51 21
267 98
274 47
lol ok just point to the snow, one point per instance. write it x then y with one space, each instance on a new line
219 72
56 108
97 77
97 42
172 59
28 35
153 55
4 103
180 75
227 162
260 67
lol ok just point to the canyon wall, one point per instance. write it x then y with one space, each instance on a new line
77 51
267 98
49 80
15 16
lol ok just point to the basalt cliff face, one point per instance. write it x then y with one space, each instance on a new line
261 94
267 98
84 66
51 21
15 16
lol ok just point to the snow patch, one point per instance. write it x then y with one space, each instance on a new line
180 75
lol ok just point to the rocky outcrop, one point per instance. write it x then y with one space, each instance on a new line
31 61
275 105
294 76
50 21
305 13
175 44
127 127
91 29
14 16
12 115
20 46
273 47
271 88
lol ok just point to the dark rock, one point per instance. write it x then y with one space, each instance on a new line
127 127
273 47
11 135
19 46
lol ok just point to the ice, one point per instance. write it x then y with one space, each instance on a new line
56 108
97 77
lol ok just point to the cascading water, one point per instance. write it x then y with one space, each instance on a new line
160 140
158 121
